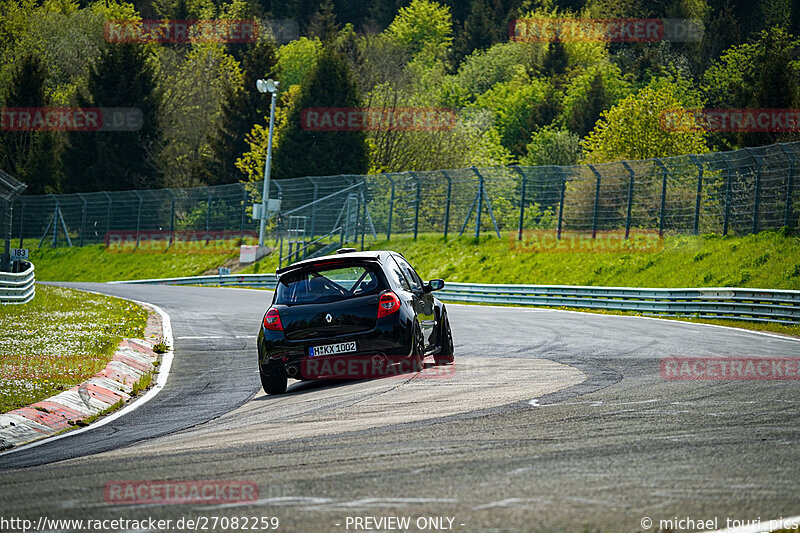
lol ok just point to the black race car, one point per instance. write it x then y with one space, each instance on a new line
352 315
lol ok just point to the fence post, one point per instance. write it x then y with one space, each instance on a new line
363 211
630 199
391 208
662 209
171 218
480 203
787 215
244 212
208 212
447 202
699 193
757 191
314 208
83 218
728 178
56 215
21 223
138 217
521 202
596 201
416 208
108 217
561 201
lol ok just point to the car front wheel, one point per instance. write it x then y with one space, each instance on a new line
446 352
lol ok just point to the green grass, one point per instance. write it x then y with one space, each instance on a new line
58 340
96 263
766 260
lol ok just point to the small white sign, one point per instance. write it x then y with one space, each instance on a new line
18 254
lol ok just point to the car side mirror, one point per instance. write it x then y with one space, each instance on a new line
436 284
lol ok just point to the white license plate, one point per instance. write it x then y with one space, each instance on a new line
332 349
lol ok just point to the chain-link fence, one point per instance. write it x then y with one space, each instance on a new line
738 192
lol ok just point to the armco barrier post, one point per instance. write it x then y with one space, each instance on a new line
697 162
787 215
663 210
630 198
596 201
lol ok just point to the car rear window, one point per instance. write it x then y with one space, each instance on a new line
327 284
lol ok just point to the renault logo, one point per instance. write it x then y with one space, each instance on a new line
329 318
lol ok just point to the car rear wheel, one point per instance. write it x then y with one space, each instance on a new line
273 380
446 352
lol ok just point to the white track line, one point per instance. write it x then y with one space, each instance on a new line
161 380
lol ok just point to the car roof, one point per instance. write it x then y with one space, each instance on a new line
371 255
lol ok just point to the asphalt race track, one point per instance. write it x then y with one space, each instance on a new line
548 421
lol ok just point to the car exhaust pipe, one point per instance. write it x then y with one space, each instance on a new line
291 371
379 361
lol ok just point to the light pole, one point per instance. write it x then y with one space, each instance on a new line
264 86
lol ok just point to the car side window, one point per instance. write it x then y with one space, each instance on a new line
397 274
411 274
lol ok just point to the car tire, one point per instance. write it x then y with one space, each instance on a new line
417 349
446 350
273 380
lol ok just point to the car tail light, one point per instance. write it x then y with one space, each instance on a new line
388 304
272 320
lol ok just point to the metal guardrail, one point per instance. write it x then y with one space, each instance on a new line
18 287
759 305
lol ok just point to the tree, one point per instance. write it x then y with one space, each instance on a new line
116 160
323 22
423 26
303 152
635 129
762 74
243 107
550 146
589 94
30 156
296 59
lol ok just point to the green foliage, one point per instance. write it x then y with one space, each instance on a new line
550 146
634 129
116 160
241 110
423 26
60 338
30 156
590 93
312 153
296 59
762 74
